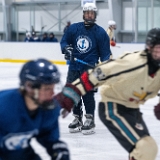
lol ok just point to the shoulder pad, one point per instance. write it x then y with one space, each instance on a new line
107 61
128 53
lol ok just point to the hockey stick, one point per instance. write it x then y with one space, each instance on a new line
83 62
118 46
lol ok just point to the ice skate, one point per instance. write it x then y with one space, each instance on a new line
76 125
89 126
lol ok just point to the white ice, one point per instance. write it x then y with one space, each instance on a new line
99 146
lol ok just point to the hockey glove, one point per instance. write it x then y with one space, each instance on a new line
64 113
69 97
60 151
68 53
112 43
157 111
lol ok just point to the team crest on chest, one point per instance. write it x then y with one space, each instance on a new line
84 44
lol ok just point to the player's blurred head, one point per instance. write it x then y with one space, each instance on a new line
153 45
51 35
33 34
28 34
39 71
89 12
153 37
37 80
112 24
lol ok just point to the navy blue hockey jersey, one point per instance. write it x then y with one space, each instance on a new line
17 127
89 45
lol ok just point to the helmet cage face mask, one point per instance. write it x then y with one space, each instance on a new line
90 7
32 92
153 38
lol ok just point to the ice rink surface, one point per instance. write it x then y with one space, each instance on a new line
99 146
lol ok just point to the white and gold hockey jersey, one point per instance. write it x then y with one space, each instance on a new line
110 33
125 80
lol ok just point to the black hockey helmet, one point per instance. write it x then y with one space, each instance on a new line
39 71
153 37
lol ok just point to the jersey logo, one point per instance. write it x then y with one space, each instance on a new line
141 96
16 141
99 74
139 126
84 44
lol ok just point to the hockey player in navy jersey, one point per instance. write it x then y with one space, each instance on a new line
89 42
30 111
126 83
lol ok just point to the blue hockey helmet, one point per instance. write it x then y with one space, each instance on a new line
39 71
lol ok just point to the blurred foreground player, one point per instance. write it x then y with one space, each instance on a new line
31 112
126 83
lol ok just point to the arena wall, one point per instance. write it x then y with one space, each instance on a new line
22 52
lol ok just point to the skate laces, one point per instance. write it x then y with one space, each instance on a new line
87 122
75 121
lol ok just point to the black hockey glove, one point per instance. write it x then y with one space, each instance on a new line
60 151
68 53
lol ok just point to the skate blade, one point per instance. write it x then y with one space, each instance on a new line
75 130
88 132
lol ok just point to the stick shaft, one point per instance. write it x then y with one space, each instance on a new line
83 62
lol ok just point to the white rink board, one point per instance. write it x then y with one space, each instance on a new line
121 48
51 51
99 146
27 51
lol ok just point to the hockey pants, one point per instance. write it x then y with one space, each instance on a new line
126 124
